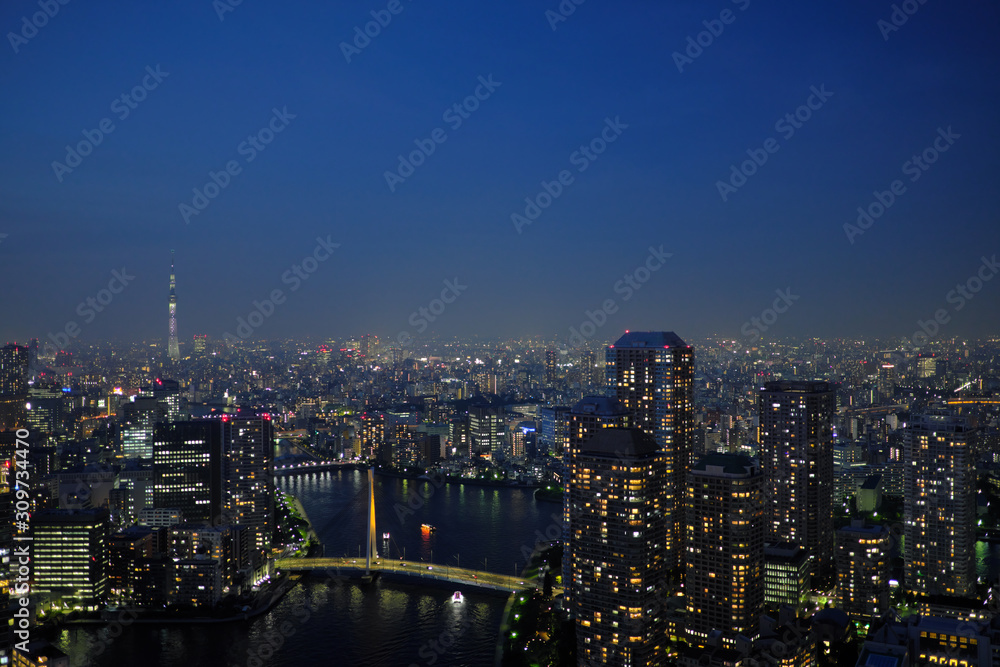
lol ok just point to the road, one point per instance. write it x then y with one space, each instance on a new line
412 568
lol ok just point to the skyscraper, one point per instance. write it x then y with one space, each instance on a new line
167 393
249 485
139 418
652 374
188 468
939 506
70 554
863 570
724 578
486 429
14 364
173 347
587 417
589 375
796 454
550 367
619 566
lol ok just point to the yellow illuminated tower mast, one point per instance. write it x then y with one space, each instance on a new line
371 549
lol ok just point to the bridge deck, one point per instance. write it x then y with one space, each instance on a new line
411 569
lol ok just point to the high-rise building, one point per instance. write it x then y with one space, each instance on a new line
369 346
795 437
486 429
70 552
588 370
862 559
188 468
724 578
617 549
249 483
139 419
550 367
167 393
587 417
373 434
926 366
787 582
886 380
552 433
14 362
652 374
939 505
199 344
173 347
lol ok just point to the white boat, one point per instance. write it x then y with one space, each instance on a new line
457 597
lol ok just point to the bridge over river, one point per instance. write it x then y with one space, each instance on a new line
409 570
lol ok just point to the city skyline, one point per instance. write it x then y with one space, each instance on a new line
536 333
301 132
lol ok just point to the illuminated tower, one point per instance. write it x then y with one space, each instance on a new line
173 349
652 374
939 506
724 582
796 454
586 418
618 549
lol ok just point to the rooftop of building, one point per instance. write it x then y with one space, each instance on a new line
798 386
603 406
884 656
787 550
715 463
49 516
650 339
620 442
871 482
859 526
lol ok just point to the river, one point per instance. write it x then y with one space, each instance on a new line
342 623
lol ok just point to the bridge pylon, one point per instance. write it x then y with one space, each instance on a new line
371 548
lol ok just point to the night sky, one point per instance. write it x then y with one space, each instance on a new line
880 95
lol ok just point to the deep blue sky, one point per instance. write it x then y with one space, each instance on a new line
655 185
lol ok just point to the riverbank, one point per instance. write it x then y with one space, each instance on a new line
299 511
264 600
